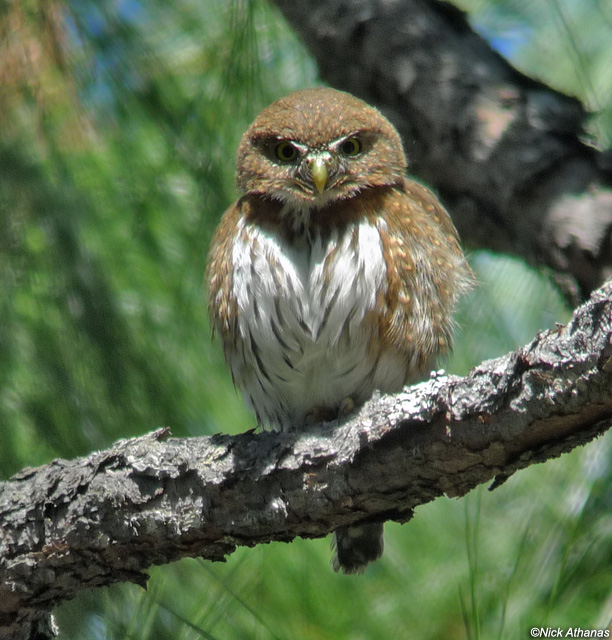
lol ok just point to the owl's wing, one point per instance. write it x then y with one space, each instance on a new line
427 272
222 309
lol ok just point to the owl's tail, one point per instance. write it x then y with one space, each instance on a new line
354 547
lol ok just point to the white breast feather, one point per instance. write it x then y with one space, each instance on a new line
292 294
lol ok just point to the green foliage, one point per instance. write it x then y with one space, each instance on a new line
116 161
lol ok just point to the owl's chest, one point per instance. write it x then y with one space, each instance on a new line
309 295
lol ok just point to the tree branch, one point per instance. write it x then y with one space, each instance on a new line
105 518
504 151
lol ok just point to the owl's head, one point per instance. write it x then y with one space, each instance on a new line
315 146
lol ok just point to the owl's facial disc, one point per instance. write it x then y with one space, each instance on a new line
316 175
307 171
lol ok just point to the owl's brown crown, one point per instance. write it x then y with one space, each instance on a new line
315 146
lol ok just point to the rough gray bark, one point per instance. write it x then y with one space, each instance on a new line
505 152
105 518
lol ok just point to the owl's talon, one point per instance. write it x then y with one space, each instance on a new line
347 406
311 418
320 414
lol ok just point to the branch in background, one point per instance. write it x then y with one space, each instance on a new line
505 152
94 521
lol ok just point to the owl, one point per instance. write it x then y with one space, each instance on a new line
333 275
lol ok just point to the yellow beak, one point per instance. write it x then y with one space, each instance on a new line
318 170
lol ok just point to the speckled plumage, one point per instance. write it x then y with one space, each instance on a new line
334 274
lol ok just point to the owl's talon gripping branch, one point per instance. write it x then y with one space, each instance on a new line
334 274
347 406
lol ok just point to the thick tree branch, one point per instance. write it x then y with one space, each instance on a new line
504 151
105 518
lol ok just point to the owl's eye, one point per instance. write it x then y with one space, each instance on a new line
285 151
351 147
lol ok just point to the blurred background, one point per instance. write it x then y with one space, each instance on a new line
119 121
